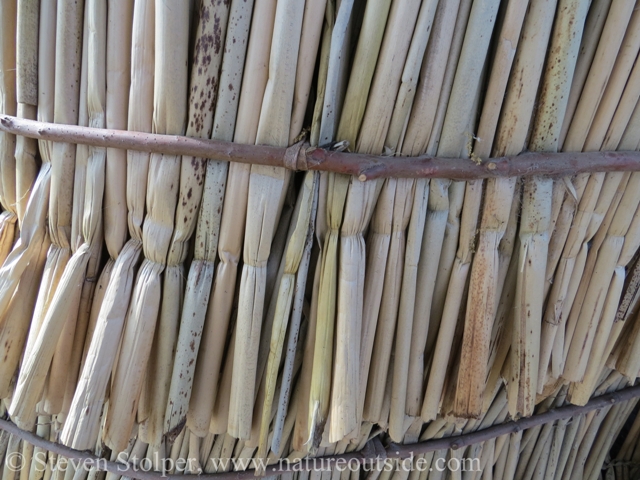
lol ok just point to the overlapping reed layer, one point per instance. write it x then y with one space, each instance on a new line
409 308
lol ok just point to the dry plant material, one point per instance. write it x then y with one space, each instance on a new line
169 116
8 105
415 231
83 421
119 61
67 81
18 82
309 42
342 283
483 301
33 235
555 315
297 239
204 180
594 191
594 24
27 98
450 242
267 189
536 220
214 335
588 186
387 316
333 78
621 238
415 142
391 217
453 264
86 226
118 66
234 212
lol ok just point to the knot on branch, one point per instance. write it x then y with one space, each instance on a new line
295 157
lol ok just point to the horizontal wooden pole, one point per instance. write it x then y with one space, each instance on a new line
373 450
304 157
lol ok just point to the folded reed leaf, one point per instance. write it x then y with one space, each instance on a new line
199 179
103 338
249 78
149 296
391 217
214 335
416 139
267 188
33 232
342 220
35 366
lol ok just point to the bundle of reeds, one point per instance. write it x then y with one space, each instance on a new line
53 310
401 308
109 309
8 104
154 302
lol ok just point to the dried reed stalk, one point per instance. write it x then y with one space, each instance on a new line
87 234
81 428
16 319
566 37
115 106
8 104
592 206
391 217
199 180
450 242
169 116
608 46
118 77
535 231
340 306
33 232
332 83
594 23
297 239
596 136
327 89
406 311
616 83
119 62
415 141
581 392
624 112
589 267
207 386
311 30
35 366
238 113
267 189
453 266
483 300
184 212
27 97
15 326
588 214
309 42
608 254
